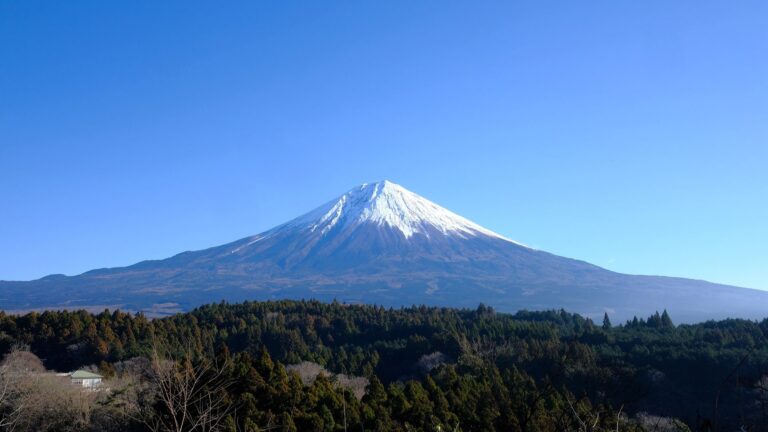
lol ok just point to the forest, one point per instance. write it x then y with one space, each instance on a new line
312 366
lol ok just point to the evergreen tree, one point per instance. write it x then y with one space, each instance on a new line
606 322
666 321
654 320
528 371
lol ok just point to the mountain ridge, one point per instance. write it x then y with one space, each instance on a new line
381 243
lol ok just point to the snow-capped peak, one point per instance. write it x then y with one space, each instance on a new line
388 204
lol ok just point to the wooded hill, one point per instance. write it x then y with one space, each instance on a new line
421 368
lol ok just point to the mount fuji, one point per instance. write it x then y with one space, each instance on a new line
380 243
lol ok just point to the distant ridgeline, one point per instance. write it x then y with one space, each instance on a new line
424 367
382 244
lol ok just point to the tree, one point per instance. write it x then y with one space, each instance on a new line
13 387
31 399
666 321
189 396
606 322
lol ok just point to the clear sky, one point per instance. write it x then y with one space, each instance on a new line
631 134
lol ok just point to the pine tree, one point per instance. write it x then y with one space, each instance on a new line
606 322
666 321
654 320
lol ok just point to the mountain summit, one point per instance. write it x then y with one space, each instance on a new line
380 243
373 217
390 205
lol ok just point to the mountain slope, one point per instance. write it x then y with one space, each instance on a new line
380 243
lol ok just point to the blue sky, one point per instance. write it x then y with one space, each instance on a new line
633 135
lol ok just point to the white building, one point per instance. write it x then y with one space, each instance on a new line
85 378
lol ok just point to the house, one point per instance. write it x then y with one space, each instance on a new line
85 379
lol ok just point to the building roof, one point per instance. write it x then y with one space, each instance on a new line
81 374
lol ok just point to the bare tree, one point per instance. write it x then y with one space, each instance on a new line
654 423
308 371
41 401
355 384
129 397
54 404
586 424
188 397
588 420
16 371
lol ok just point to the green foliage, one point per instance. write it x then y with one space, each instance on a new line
430 368
607 321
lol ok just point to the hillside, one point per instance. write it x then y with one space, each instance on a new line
382 244
420 368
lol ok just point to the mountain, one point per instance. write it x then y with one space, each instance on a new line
380 243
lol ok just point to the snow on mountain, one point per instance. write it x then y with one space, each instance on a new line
389 205
380 243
